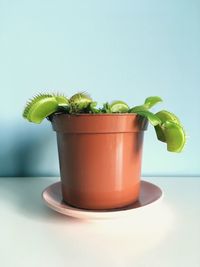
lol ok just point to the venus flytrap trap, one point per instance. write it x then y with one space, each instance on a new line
167 126
170 131
79 102
119 107
43 105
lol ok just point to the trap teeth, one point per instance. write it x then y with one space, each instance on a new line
30 103
43 105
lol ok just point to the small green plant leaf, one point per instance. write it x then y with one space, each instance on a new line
152 101
137 109
152 118
92 108
106 108
119 106
149 103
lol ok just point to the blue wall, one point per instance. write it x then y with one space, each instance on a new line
113 49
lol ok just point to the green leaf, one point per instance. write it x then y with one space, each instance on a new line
106 108
152 101
152 118
149 103
137 109
92 108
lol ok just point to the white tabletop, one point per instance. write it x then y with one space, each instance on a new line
32 235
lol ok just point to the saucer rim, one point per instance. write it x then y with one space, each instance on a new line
79 213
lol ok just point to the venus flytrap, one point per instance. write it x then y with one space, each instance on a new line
167 126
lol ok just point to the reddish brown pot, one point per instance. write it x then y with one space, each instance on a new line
100 158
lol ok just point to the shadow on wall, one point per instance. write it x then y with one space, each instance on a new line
28 150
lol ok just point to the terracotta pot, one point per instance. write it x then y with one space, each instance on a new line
100 158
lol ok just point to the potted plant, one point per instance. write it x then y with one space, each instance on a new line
100 148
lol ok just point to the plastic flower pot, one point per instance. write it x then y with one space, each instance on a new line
100 158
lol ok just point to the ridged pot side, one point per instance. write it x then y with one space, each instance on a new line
100 158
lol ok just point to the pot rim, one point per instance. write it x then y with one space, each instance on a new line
95 114
101 123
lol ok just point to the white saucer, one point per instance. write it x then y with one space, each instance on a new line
149 195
